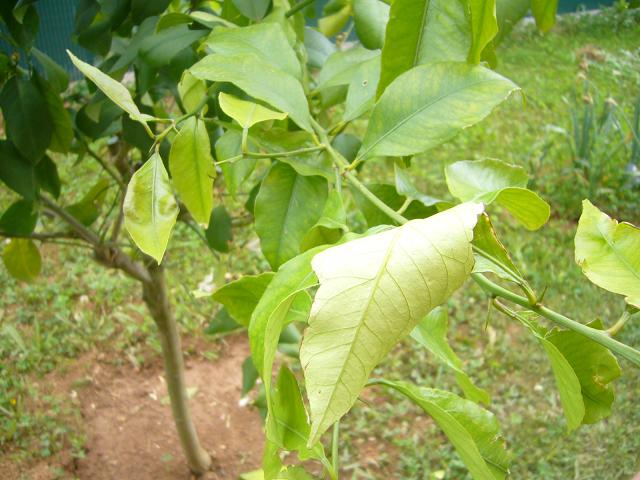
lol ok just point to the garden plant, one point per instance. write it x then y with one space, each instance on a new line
197 104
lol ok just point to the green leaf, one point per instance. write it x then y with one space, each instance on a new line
56 75
331 25
192 170
473 431
544 11
19 219
237 172
609 253
150 211
594 365
429 105
287 206
27 121
492 180
490 254
192 91
47 176
371 17
319 47
387 193
160 48
249 375
117 92
87 210
62 133
406 188
247 114
267 41
222 323
253 9
431 333
331 225
373 291
141 9
219 233
241 296
22 259
484 26
16 171
275 87
423 31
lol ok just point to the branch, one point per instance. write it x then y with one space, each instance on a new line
104 165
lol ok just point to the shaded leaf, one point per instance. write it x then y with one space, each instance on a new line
319 47
331 225
62 129
222 323
150 211
19 219
56 75
235 173
373 291
609 253
219 233
371 17
192 91
253 9
47 176
241 296
16 171
160 48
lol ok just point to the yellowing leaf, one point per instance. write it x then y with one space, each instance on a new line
247 114
373 291
22 259
609 253
192 91
192 170
150 211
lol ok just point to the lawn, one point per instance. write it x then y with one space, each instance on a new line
78 307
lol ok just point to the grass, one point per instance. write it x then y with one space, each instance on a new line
78 306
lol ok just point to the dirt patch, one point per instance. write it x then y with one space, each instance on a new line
130 432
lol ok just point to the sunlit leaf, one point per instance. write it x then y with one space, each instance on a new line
429 105
150 211
247 114
484 26
370 17
373 291
192 91
609 253
192 170
544 11
22 259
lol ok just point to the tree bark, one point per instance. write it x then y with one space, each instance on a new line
157 301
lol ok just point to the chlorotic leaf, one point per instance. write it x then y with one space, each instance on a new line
117 92
544 11
484 26
429 105
275 87
247 114
192 91
287 206
373 291
423 31
492 180
22 259
609 253
473 431
431 333
241 296
192 170
150 210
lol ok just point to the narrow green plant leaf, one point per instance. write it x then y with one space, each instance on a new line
373 291
431 333
27 121
22 259
484 26
370 17
595 367
192 91
241 296
473 431
423 31
247 114
16 171
544 11
491 255
429 105
19 219
56 75
492 180
219 233
192 170
609 253
117 92
253 9
275 87
287 206
150 211
266 40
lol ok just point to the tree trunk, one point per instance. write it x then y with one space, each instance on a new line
156 298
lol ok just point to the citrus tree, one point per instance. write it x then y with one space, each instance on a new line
242 97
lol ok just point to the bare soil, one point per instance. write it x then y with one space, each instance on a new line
130 432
